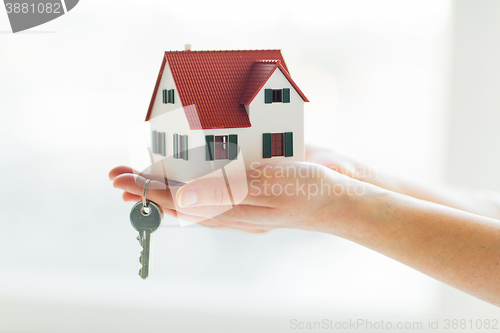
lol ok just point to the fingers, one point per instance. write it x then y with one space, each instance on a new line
135 198
232 226
156 191
216 216
254 231
211 224
244 213
246 226
119 170
220 222
127 196
205 192
214 191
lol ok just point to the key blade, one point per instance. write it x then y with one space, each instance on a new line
145 222
145 254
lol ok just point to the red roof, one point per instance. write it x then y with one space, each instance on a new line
219 83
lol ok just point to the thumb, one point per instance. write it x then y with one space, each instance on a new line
204 192
215 191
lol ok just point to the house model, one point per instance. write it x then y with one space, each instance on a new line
224 109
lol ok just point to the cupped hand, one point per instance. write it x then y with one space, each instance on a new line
132 183
297 195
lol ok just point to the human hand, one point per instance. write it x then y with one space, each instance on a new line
132 183
295 195
280 195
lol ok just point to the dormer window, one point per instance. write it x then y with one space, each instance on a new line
168 96
277 95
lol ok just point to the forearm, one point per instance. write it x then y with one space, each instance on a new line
476 202
457 248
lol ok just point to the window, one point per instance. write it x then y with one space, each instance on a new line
168 96
180 143
277 95
221 147
158 143
277 144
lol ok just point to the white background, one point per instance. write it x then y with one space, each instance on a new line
378 75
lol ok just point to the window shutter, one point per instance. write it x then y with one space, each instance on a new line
209 149
171 96
163 147
185 148
181 147
268 95
176 146
153 142
266 145
158 138
165 96
286 95
157 142
233 147
288 137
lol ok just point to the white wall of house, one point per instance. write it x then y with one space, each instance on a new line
166 82
275 118
170 119
265 118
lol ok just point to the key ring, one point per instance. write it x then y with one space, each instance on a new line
145 206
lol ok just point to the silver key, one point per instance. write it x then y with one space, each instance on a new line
145 218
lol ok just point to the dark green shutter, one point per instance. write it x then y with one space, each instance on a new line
266 145
181 147
171 96
209 148
269 95
185 148
233 147
158 142
153 142
176 145
163 148
288 137
286 95
164 96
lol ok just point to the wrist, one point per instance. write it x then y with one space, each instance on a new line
365 209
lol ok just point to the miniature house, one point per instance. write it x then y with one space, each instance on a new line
231 109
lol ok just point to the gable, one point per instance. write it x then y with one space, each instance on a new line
261 72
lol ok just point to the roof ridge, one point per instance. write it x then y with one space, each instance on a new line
253 50
268 61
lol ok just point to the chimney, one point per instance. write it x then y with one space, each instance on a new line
187 47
